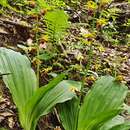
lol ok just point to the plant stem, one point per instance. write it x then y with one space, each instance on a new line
90 58
38 51
38 67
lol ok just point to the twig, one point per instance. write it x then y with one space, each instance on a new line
15 23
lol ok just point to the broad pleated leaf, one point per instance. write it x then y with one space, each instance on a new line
69 111
102 103
113 122
21 79
44 99
32 102
124 126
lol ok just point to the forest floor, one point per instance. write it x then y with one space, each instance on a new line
105 59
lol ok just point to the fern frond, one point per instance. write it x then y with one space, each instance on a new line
57 23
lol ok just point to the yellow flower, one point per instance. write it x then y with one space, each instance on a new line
57 128
44 38
91 5
46 70
86 42
92 78
73 89
89 38
79 56
89 35
105 1
101 22
119 78
77 67
36 61
97 66
101 48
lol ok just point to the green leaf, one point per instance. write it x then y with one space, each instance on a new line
69 111
46 98
31 101
3 129
4 3
103 102
46 56
57 23
21 79
123 126
113 122
42 4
